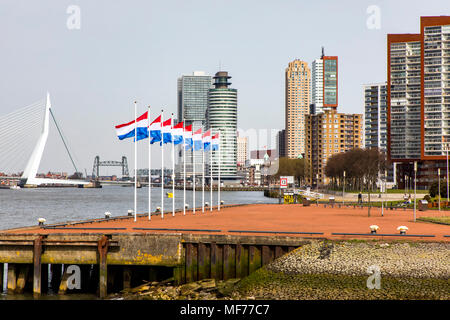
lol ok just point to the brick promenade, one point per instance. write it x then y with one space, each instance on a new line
270 217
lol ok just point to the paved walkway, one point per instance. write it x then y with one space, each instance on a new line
270 217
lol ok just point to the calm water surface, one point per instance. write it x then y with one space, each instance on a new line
19 208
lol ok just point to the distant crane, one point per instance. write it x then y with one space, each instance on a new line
98 164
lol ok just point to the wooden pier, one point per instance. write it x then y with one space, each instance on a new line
112 262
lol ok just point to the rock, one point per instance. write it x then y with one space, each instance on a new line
207 283
189 288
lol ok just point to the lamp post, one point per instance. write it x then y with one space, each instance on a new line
415 175
385 186
439 188
343 190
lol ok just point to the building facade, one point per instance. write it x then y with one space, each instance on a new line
298 97
329 133
192 93
324 83
375 116
242 151
418 98
281 143
222 119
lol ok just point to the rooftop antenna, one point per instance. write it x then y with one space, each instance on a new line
323 52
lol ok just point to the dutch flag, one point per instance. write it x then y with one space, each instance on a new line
167 131
197 137
207 140
177 133
155 130
126 130
215 142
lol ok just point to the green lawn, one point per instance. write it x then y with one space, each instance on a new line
438 220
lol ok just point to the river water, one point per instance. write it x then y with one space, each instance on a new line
19 208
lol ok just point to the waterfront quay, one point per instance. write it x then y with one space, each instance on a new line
118 253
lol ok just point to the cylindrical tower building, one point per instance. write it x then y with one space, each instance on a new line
222 118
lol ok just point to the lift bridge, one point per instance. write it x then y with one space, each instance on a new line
98 164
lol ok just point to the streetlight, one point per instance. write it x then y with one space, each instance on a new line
343 191
439 188
415 174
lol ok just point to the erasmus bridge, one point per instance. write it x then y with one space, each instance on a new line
18 144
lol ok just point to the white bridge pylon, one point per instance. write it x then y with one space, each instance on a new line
30 172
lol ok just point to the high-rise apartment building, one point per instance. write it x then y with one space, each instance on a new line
192 105
324 84
242 150
418 98
329 133
375 116
281 143
222 118
298 84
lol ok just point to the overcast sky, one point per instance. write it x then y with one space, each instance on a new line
136 50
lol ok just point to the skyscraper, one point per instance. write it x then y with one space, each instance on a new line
222 118
192 106
375 109
242 150
324 83
418 98
298 84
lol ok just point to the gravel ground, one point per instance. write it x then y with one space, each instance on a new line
410 260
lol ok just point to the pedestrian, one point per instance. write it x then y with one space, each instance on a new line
359 198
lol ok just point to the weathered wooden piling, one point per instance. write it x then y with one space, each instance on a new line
56 271
12 278
229 262
1 276
102 251
37 271
216 261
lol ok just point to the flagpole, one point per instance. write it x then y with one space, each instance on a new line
135 161
218 196
162 166
149 169
193 174
203 177
173 167
184 170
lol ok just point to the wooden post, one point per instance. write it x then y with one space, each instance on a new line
1 277
267 255
254 258
12 278
216 262
204 261
241 261
229 262
22 278
56 270
191 263
126 278
103 274
37 267
44 277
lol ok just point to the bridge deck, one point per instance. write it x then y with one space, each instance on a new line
293 220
